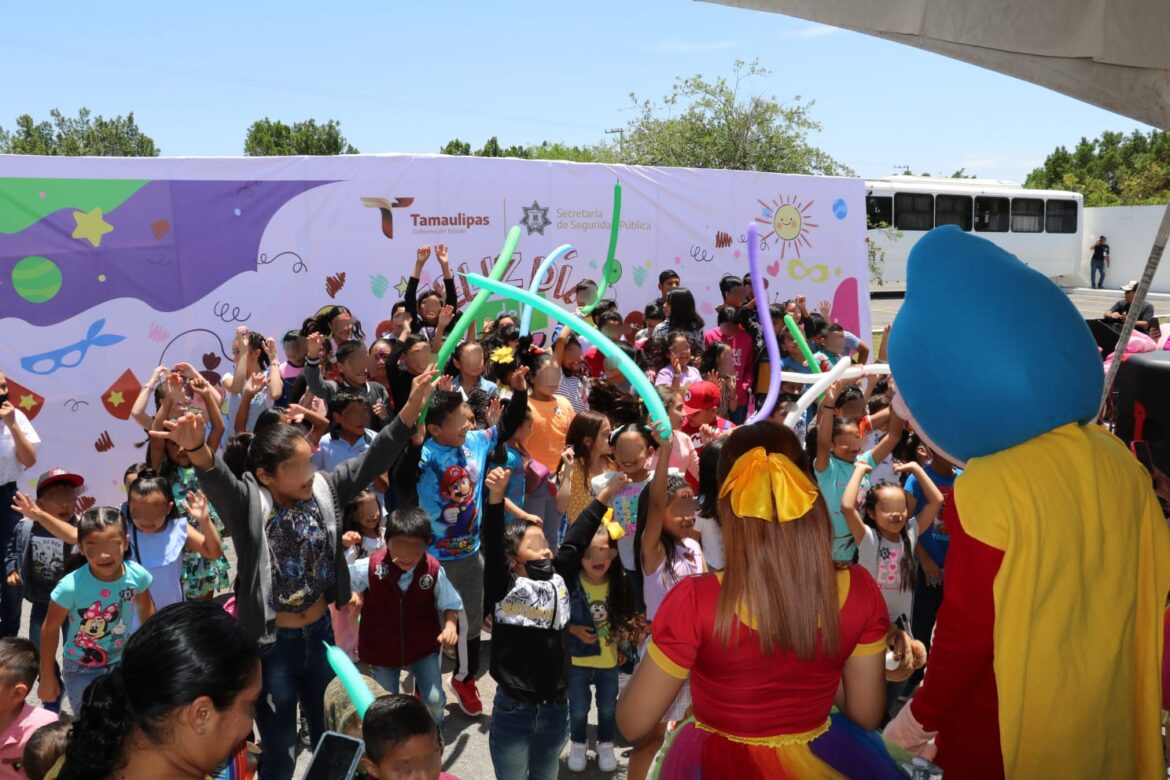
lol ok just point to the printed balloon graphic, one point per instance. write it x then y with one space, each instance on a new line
119 397
36 279
95 240
845 310
24 399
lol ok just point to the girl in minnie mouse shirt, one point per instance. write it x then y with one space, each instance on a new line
98 601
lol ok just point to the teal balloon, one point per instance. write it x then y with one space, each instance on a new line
351 679
472 311
598 339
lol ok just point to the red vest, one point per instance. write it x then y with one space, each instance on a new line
397 627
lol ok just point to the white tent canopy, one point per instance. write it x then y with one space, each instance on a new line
1111 53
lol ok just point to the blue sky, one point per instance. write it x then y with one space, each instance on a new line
408 77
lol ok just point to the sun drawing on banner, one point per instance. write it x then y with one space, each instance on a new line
787 219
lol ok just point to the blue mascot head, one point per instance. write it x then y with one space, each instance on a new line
987 353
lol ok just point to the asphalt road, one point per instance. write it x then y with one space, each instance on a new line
1090 303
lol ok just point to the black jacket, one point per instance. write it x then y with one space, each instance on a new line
530 635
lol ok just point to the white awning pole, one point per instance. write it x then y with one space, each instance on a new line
1139 298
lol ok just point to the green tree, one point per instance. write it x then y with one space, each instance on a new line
712 124
1112 170
456 147
93 136
546 150
601 153
493 149
273 138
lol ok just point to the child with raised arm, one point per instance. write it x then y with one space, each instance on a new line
284 520
424 309
353 359
838 447
202 577
887 535
253 354
525 585
450 484
665 553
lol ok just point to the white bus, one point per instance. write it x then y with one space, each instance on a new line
1044 228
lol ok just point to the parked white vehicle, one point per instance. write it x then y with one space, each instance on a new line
1044 228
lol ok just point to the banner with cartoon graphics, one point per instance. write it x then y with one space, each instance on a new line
110 267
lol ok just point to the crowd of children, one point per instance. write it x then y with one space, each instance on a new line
399 512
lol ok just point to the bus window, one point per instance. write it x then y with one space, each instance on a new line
1027 215
1061 217
991 215
953 210
913 211
879 211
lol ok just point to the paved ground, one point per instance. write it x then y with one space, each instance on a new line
466 755
1091 304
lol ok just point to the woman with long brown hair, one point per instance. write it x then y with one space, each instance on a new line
773 642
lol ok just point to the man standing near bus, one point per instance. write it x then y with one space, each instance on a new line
1098 263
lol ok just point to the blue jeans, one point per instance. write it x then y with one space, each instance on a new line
526 739
428 681
293 669
1097 267
10 596
75 678
36 621
606 682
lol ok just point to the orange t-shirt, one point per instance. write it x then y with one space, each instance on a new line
550 425
739 690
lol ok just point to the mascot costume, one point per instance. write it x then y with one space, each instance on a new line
1046 658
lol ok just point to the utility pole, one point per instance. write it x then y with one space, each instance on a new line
621 137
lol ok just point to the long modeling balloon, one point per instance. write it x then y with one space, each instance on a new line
798 335
553 256
351 679
472 311
765 321
628 367
823 383
870 369
607 269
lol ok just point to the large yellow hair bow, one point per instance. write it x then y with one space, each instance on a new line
768 486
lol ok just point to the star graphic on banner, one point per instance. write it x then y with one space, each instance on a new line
116 398
535 218
27 402
91 226
401 286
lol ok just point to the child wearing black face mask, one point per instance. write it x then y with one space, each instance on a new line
525 584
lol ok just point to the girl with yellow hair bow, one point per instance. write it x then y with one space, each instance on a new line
770 644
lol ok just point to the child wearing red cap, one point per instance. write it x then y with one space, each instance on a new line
701 404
